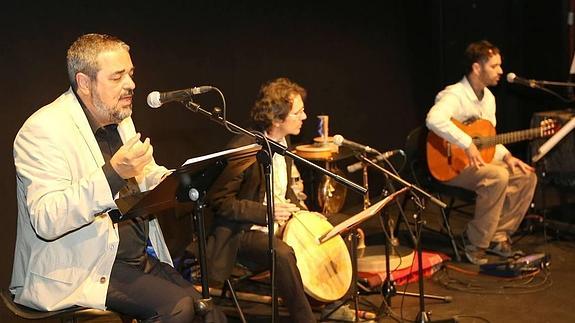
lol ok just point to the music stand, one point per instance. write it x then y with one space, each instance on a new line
348 225
189 183
554 140
541 167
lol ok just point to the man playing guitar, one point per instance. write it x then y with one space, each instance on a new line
505 185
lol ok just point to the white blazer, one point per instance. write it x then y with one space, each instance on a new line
66 243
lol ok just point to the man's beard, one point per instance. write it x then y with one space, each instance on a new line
115 113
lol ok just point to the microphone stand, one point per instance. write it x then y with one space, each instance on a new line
566 84
541 86
388 288
264 158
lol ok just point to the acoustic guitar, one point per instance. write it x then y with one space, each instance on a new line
446 160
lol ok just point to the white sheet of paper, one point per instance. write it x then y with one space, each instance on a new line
219 153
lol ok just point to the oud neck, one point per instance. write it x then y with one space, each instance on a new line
507 138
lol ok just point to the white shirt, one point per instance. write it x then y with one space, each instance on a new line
458 101
280 184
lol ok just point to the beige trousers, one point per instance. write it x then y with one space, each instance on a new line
503 198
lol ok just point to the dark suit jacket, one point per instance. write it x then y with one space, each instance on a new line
236 199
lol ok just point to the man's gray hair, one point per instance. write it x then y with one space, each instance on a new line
83 53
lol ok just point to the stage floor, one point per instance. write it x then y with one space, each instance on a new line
544 297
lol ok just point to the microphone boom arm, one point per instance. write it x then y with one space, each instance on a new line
275 146
566 84
433 199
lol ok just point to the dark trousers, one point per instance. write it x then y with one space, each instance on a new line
253 253
154 292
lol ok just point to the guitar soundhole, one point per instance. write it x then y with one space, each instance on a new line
478 142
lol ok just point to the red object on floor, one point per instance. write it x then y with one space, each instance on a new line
432 261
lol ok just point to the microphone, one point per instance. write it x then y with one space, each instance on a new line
512 78
359 165
157 99
339 140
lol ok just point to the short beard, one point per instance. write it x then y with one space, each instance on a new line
115 114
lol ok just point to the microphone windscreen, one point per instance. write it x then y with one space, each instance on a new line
338 140
511 77
154 100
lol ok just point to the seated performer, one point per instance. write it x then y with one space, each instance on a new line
240 232
73 157
504 186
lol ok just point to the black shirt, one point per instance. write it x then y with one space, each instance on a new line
134 232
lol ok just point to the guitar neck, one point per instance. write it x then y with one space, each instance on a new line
507 138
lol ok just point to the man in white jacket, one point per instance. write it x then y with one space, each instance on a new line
73 157
505 186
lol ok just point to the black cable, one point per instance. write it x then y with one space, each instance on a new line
224 109
389 182
527 284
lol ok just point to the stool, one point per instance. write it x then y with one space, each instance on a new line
66 315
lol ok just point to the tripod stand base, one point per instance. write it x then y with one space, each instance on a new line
446 299
422 318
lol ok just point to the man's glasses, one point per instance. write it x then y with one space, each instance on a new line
297 114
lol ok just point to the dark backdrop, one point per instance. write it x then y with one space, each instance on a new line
373 66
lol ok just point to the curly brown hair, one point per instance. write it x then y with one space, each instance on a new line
274 102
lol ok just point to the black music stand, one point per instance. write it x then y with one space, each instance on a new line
190 183
554 140
348 226
541 166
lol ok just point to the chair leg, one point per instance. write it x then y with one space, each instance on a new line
228 285
447 226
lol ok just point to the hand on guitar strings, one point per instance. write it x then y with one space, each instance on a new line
513 162
474 157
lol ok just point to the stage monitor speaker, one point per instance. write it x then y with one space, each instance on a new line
559 163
